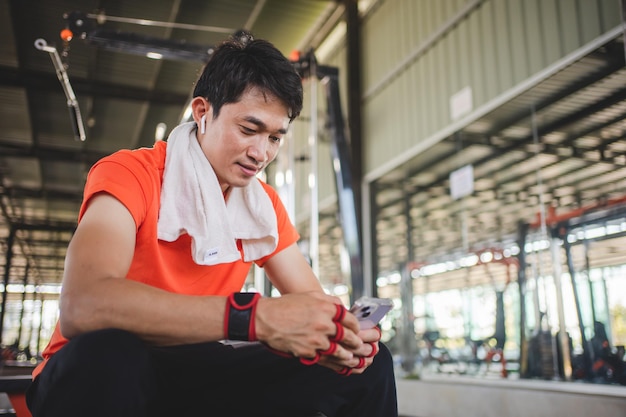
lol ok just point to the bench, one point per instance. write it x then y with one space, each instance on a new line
15 388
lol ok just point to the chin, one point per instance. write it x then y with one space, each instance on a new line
242 182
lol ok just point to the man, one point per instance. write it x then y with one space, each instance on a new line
165 240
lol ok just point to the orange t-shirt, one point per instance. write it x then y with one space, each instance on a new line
135 178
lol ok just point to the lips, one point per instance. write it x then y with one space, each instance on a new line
250 170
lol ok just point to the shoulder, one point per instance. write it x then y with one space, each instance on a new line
150 158
143 164
132 176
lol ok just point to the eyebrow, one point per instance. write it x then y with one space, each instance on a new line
262 125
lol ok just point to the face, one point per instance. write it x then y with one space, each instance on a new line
244 138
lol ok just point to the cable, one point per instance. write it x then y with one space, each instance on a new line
101 18
72 103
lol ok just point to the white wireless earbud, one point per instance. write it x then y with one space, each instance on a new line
203 124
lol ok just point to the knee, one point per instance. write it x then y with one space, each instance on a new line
107 341
104 351
94 368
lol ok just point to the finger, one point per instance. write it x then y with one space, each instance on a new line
341 354
331 350
339 333
380 333
370 335
346 336
350 340
361 363
374 350
356 371
310 361
345 371
341 313
351 322
367 350
278 352
335 364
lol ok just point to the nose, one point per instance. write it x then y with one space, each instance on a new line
258 150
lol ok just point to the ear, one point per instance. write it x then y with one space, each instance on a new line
201 111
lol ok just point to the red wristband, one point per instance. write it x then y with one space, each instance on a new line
239 316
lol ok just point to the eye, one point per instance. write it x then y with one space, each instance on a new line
247 130
275 139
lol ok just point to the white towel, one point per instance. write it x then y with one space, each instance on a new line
192 202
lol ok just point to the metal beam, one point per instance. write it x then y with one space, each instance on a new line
48 153
48 195
47 81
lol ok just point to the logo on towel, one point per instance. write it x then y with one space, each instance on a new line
210 254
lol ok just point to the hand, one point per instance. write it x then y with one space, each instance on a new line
362 356
302 325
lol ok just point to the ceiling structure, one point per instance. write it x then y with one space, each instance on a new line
570 155
560 144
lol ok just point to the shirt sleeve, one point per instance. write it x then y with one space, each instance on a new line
119 177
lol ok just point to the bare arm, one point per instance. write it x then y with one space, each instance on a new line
96 295
290 272
300 321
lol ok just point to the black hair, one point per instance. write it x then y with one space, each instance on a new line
243 62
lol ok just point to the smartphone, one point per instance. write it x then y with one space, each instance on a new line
370 311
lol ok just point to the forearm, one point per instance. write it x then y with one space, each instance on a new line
290 273
158 316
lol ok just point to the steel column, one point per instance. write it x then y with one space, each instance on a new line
21 327
408 340
581 324
353 35
7 273
522 232
343 178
